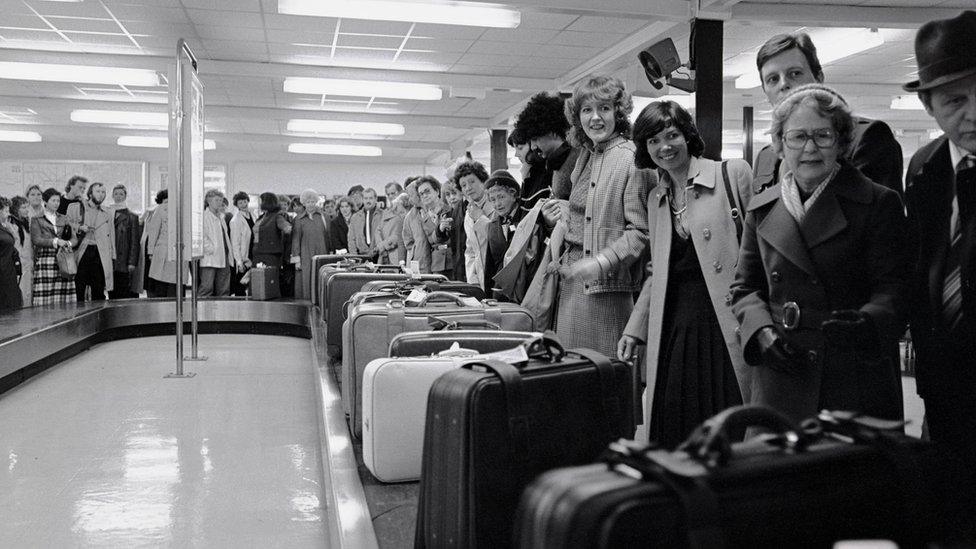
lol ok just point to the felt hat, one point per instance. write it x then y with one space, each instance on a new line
945 50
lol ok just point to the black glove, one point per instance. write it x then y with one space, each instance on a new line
850 329
778 353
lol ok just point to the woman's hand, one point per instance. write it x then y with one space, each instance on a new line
587 268
778 353
627 348
555 209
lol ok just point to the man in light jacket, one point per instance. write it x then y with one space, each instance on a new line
96 249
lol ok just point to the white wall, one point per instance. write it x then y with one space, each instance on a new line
327 178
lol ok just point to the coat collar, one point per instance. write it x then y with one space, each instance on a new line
701 173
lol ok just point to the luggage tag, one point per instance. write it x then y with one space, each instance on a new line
342 251
513 356
415 297
414 269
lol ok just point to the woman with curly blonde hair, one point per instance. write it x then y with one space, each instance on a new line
605 219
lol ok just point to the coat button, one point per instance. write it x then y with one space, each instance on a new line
728 299
812 356
588 219
718 267
592 184
775 276
707 233
587 252
815 281
738 331
697 194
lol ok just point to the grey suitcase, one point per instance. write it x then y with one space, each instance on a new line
371 327
318 261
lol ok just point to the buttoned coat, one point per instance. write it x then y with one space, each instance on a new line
240 238
162 267
126 239
713 233
615 222
309 238
357 232
849 253
388 236
101 225
944 364
874 150
217 251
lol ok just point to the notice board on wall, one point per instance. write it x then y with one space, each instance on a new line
17 175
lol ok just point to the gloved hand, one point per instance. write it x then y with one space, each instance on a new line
778 353
850 329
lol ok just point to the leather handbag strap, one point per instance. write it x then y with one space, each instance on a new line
608 393
733 208
519 427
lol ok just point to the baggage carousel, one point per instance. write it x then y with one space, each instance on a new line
35 339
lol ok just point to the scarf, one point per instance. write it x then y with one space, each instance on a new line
791 195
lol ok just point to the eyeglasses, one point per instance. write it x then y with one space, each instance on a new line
822 138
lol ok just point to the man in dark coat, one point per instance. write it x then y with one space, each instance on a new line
786 61
544 124
127 235
941 200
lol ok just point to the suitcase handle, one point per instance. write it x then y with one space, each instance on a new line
547 345
443 297
443 324
711 442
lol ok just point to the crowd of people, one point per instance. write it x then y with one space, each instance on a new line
788 283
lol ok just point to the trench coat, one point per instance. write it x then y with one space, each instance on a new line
713 232
388 237
161 266
849 253
102 223
309 238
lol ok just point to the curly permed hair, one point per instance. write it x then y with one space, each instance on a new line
603 88
542 115
468 168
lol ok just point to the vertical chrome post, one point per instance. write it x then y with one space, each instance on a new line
194 328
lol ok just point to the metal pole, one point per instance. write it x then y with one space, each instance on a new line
178 184
194 330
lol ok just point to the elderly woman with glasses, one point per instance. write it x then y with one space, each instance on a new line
821 283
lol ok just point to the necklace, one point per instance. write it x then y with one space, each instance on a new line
672 202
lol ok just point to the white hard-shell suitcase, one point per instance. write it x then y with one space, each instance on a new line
394 411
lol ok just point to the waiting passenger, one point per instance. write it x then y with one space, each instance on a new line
270 231
451 193
534 186
74 190
10 267
503 196
50 234
392 190
126 245
241 241
309 238
339 228
821 284
20 220
35 200
694 362
329 209
355 195
160 278
414 236
218 259
362 225
389 231
432 213
96 250
606 217
544 123
786 61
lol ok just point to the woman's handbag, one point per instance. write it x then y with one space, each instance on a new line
542 295
67 264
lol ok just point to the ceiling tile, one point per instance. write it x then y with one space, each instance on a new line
537 20
227 18
612 25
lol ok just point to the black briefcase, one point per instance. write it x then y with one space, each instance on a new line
492 427
844 477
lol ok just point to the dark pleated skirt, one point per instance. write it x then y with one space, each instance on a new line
695 378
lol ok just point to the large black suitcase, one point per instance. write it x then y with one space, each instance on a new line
318 261
492 427
843 477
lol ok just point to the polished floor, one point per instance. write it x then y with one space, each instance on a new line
102 451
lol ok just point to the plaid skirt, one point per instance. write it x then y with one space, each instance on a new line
49 287
596 321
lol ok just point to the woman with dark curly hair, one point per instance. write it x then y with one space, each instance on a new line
605 219
693 353
50 233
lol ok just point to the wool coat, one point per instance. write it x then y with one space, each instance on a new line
101 225
309 238
713 233
388 236
848 253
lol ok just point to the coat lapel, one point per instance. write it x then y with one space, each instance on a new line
780 230
932 191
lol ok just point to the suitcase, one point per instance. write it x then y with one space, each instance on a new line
844 477
493 427
264 283
328 259
406 286
394 407
366 335
336 286
480 336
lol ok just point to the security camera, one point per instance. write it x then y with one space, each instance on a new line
660 60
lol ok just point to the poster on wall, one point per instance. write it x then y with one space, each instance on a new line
17 175
189 162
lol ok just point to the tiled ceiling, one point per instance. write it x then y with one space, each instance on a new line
246 49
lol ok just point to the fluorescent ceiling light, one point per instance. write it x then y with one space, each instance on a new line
362 88
344 127
19 136
907 103
832 44
78 73
343 150
156 142
129 118
447 13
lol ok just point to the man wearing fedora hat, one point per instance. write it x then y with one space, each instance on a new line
941 199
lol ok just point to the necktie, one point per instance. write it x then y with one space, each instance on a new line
369 237
952 284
